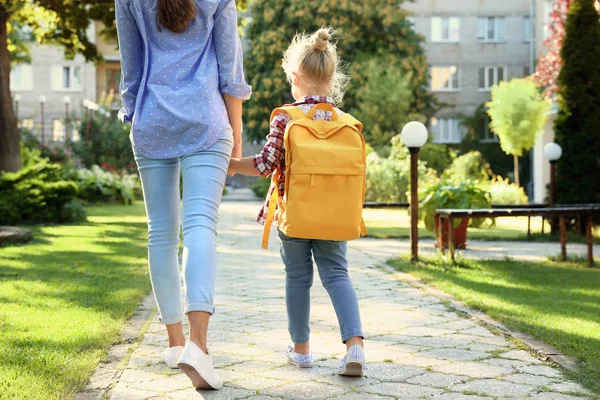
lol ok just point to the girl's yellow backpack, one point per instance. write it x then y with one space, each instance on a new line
325 173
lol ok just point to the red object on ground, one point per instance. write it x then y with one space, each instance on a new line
459 234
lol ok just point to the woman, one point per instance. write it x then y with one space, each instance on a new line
182 88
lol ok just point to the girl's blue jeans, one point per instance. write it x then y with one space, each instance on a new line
330 257
196 214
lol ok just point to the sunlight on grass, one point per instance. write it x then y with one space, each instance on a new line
64 299
558 303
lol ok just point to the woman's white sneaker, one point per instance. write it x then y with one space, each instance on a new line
198 366
299 360
353 363
171 355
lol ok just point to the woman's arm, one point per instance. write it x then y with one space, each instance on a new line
231 68
234 111
132 58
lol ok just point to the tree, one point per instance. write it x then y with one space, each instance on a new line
549 66
518 113
61 22
386 93
367 29
577 126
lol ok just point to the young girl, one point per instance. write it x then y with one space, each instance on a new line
312 68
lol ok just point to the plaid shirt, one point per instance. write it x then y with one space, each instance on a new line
272 156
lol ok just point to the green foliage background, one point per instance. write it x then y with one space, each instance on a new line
577 125
369 29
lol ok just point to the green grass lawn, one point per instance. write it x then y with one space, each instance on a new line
395 223
557 303
64 299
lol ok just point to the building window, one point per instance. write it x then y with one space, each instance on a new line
446 130
527 29
113 79
21 78
444 78
490 76
66 78
487 135
490 29
58 130
445 29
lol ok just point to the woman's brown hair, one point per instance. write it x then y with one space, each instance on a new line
175 15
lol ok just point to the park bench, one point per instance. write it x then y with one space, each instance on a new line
587 211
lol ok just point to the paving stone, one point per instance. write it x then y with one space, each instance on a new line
521 355
459 396
437 380
569 387
226 393
306 391
125 393
456 354
402 390
541 370
554 396
392 372
528 379
361 396
474 369
493 387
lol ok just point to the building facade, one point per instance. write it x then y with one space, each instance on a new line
471 45
43 91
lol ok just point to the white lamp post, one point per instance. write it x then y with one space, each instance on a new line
42 100
17 101
67 101
552 152
414 136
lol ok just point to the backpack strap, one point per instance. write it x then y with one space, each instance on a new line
293 111
350 120
273 201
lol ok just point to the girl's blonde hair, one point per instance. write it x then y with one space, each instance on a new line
315 58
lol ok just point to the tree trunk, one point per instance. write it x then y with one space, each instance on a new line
10 153
517 180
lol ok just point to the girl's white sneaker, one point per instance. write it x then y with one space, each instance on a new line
299 360
198 366
171 355
353 363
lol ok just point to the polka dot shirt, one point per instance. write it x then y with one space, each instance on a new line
172 84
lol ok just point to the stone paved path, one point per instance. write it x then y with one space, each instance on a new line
417 348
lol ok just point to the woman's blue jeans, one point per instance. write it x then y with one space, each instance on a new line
204 176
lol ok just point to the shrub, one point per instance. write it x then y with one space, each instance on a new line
107 144
261 188
504 192
437 156
468 167
99 186
388 179
450 195
38 194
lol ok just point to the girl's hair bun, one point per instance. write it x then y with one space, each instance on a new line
320 39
